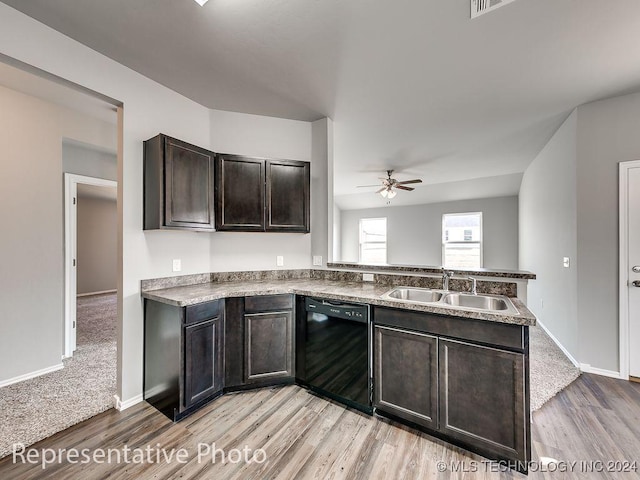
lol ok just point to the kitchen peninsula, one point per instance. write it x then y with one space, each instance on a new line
460 374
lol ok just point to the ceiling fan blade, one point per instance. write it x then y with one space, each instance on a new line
400 187
366 186
417 180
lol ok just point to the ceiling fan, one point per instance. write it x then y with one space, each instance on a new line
389 185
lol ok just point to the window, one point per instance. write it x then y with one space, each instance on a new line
373 240
462 240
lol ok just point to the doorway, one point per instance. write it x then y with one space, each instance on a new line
74 183
630 269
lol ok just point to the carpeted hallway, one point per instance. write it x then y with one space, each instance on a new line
37 408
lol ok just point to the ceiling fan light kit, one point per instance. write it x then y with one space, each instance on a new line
201 2
388 193
391 185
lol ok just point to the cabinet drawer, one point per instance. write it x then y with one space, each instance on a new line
268 303
202 311
482 331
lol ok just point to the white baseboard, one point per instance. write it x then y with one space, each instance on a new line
120 405
96 293
586 368
27 376
560 346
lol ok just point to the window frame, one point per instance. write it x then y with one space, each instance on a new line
361 243
480 242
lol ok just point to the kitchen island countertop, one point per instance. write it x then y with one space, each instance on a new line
360 292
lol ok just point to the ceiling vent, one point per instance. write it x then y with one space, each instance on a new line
478 7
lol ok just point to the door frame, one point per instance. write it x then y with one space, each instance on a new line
71 182
625 340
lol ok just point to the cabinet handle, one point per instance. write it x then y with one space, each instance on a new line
636 283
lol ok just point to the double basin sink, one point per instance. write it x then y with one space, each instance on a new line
466 301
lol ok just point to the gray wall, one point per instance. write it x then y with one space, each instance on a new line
608 133
414 233
321 148
88 161
337 233
97 242
580 161
548 233
149 108
261 136
31 206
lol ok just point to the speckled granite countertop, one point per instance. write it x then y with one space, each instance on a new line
333 290
422 269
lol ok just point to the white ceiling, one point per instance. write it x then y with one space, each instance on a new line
413 85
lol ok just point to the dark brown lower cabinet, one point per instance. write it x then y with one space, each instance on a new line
268 345
406 375
463 380
472 394
203 366
259 339
482 398
183 356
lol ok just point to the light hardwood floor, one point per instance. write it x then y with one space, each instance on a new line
595 419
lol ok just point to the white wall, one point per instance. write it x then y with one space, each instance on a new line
150 108
607 134
414 233
548 233
31 204
97 240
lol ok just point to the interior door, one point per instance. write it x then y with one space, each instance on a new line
633 216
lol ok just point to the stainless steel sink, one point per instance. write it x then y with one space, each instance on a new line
480 302
414 294
488 303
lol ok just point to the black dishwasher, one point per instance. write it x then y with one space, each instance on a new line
333 355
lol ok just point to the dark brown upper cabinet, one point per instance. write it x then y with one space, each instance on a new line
239 193
287 192
178 185
258 195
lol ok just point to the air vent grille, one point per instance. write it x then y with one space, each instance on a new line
478 7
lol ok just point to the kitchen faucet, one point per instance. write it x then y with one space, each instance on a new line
446 275
474 285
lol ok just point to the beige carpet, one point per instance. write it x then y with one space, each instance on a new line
37 408
550 369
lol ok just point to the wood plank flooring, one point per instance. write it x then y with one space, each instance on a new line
303 436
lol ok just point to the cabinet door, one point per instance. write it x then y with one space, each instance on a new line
268 346
482 398
239 193
203 366
406 375
188 186
287 196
